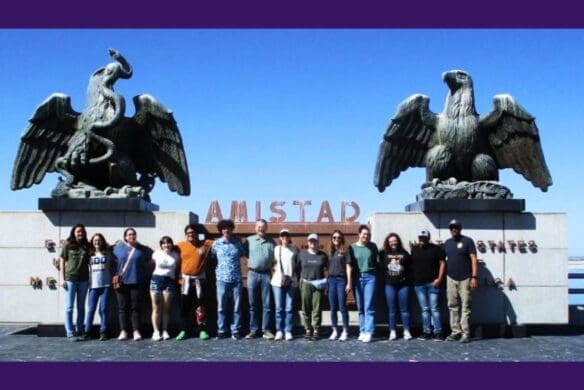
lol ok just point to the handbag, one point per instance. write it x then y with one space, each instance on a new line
286 280
116 282
117 279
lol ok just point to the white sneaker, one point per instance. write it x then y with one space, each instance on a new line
334 335
137 336
123 335
392 335
360 338
344 336
279 336
289 336
156 336
407 335
165 335
366 338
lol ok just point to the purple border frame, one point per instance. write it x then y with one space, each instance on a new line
293 14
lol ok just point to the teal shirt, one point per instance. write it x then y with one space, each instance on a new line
365 256
260 252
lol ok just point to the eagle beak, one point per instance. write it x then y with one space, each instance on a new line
450 79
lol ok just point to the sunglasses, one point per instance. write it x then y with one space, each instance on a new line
336 237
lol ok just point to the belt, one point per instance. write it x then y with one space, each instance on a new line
259 271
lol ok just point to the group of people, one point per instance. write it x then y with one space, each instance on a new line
131 270
279 270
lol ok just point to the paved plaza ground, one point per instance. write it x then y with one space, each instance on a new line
20 343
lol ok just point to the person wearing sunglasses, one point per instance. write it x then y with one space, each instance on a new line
339 283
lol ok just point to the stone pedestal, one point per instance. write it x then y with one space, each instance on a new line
26 251
517 284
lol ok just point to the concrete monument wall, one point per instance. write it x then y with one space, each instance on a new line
23 253
527 285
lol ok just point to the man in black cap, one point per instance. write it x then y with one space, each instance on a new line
462 272
429 268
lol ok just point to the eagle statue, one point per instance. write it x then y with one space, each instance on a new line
100 152
461 151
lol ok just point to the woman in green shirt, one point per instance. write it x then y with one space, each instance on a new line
74 272
364 254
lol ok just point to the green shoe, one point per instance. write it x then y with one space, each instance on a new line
182 335
204 335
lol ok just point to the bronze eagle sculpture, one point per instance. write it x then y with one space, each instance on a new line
100 152
459 146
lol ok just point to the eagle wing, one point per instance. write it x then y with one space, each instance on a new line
408 137
160 150
44 140
514 139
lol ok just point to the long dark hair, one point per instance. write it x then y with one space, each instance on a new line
105 247
72 242
331 245
387 248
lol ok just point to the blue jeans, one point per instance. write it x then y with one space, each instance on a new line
102 295
75 290
258 288
338 299
402 293
428 296
225 291
283 299
365 297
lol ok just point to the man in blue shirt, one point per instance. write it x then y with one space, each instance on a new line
259 250
228 251
462 272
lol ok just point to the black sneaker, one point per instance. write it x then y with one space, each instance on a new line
454 337
438 337
236 336
425 336
221 336
103 336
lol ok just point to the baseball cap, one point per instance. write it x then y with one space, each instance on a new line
313 236
455 223
424 233
284 232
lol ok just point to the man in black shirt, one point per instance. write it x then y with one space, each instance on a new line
462 271
429 267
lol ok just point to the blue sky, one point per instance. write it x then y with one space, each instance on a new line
298 114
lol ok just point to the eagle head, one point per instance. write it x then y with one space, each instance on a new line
455 79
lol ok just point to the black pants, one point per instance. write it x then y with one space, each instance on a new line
189 304
130 299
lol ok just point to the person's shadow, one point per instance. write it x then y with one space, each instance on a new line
490 304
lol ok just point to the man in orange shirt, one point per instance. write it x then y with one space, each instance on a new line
193 265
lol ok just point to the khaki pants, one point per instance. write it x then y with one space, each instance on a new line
459 301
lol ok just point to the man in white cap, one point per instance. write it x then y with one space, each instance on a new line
462 272
429 269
